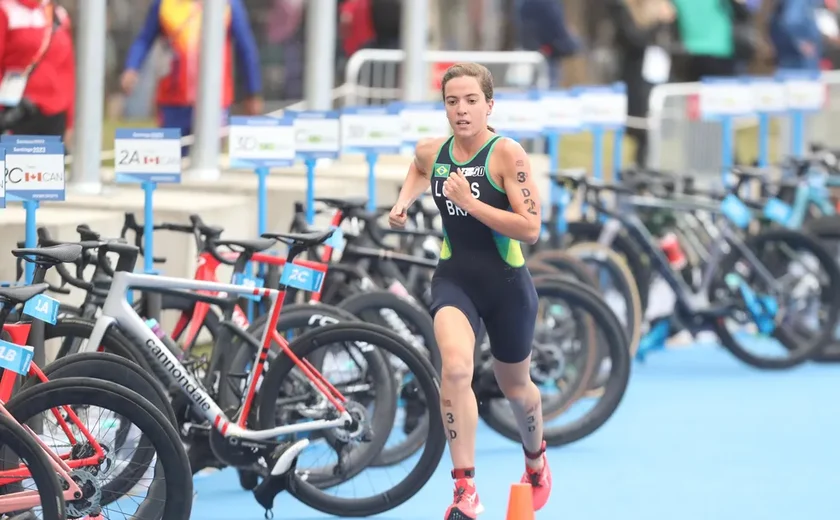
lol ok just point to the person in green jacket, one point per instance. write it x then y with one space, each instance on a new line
705 28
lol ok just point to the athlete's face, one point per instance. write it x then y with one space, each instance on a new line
466 107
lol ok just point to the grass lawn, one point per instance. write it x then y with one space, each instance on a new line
576 150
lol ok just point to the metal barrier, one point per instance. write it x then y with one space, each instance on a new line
372 75
680 141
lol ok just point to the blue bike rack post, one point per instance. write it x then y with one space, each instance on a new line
805 94
562 117
317 136
371 131
769 100
34 173
260 143
148 156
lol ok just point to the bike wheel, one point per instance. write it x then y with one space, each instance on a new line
18 445
367 337
109 367
587 300
170 495
827 230
623 283
416 327
797 347
558 262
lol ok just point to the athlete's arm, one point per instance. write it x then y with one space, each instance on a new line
139 50
417 180
247 54
523 223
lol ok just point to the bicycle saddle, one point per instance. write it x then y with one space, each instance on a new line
301 239
254 245
344 203
22 293
54 255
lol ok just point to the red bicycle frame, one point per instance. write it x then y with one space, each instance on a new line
191 321
19 333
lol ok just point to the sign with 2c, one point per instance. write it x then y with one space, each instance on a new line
303 278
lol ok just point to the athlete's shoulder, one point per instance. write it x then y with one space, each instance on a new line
508 153
426 151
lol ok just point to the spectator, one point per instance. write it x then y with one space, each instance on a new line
285 34
642 31
706 29
543 28
795 34
36 57
179 23
386 18
355 26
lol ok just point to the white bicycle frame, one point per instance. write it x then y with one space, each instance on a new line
117 311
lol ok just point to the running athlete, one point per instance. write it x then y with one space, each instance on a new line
489 203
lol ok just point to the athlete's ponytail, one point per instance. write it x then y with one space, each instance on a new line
491 129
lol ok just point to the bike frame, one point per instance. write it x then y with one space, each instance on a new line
63 466
117 311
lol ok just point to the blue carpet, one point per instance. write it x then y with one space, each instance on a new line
699 436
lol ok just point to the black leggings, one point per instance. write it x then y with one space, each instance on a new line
39 124
507 306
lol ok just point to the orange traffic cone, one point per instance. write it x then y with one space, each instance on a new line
521 504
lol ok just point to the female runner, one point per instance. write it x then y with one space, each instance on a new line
489 203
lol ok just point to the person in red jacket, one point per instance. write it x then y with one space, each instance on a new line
37 65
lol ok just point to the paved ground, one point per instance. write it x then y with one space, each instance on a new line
698 437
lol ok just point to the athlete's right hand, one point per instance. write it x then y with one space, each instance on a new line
398 216
128 81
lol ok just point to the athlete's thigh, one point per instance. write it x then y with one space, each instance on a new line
510 321
456 322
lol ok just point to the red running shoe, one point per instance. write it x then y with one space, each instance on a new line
465 503
540 480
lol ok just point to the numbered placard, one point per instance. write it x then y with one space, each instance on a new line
3 177
725 97
303 278
769 95
42 307
261 142
603 106
778 211
147 155
253 282
16 358
517 115
422 121
562 111
317 134
805 90
34 168
371 129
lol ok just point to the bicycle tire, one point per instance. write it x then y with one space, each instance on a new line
826 228
578 294
798 352
558 262
358 304
176 484
624 245
626 286
428 383
118 370
17 440
113 341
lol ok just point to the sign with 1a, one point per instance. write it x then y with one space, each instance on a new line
16 358
303 278
317 134
34 168
371 129
261 142
147 155
42 307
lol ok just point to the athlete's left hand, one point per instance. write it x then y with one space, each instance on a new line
457 189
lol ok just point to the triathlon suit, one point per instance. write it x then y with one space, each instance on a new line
481 272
